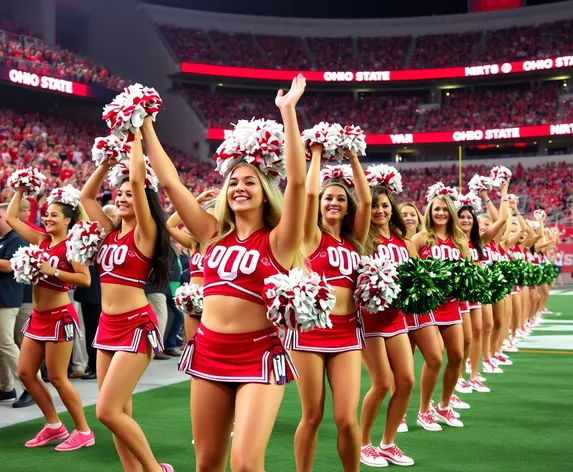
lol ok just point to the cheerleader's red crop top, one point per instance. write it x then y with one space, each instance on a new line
337 261
238 268
196 264
444 249
120 262
393 249
58 260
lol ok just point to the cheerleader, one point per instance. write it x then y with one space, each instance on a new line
335 228
236 358
412 218
468 208
134 250
50 330
388 354
195 257
442 238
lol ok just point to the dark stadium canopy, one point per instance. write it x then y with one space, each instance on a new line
331 8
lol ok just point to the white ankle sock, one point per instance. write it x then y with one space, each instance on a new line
54 425
85 433
386 446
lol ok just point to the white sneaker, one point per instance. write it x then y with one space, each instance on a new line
427 421
369 455
394 455
403 426
433 405
502 359
446 415
478 386
462 386
488 367
455 402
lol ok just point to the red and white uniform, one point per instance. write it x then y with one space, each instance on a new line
120 263
238 268
58 324
337 261
448 313
391 321
196 264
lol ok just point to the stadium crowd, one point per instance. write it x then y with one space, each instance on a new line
385 53
20 48
465 108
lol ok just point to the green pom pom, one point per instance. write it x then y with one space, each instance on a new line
520 266
468 280
497 287
424 285
511 274
533 274
550 272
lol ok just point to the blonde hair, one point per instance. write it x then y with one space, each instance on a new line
420 226
272 211
453 226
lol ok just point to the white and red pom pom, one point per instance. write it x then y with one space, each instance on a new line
109 148
354 140
540 214
341 173
30 178
257 142
120 172
327 134
386 176
189 299
471 200
67 195
27 263
511 198
438 190
534 224
479 183
125 114
499 175
376 287
84 241
298 301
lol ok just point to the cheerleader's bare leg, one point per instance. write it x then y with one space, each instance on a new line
31 357
256 408
375 359
428 341
344 375
402 365
468 331
117 383
476 343
498 311
57 361
311 390
487 328
515 313
212 413
453 337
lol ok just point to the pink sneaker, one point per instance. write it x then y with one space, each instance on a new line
394 455
167 468
76 441
47 435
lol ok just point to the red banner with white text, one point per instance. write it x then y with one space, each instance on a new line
372 76
474 136
567 248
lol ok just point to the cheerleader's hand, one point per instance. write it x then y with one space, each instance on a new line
47 269
349 155
291 98
207 195
317 149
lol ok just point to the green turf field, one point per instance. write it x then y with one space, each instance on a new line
524 425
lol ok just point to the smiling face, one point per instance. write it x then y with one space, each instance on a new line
381 211
466 221
410 217
124 201
440 213
54 220
333 204
245 191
